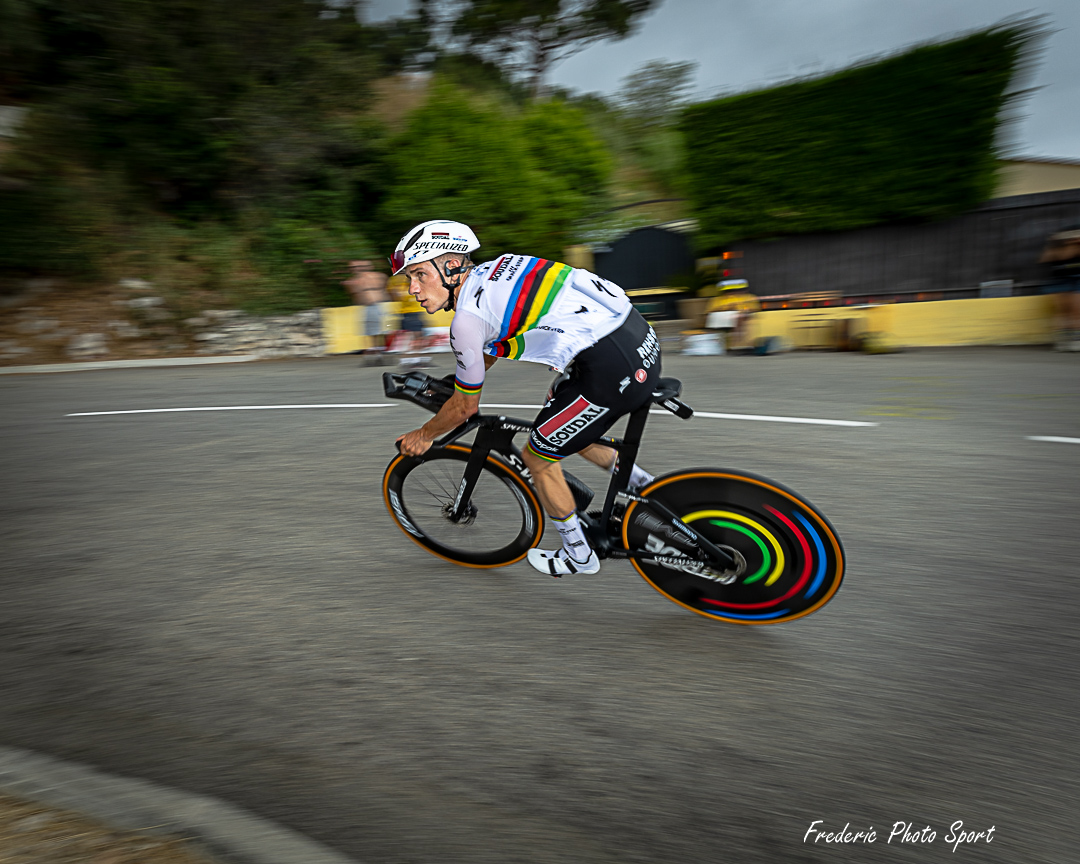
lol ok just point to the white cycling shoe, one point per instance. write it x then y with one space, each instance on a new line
559 562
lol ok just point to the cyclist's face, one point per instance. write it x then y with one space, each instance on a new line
426 286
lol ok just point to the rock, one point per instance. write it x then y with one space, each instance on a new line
145 302
37 325
135 284
87 345
196 322
124 329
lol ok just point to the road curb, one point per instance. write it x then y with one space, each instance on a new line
228 832
127 364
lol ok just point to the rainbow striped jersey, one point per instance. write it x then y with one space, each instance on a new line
526 308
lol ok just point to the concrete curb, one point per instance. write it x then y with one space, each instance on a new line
127 364
224 830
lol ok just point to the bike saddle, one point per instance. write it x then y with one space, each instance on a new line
666 388
666 396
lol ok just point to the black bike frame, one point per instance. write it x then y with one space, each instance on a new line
496 434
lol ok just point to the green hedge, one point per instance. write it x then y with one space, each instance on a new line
908 137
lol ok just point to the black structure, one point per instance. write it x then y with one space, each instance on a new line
1002 240
645 258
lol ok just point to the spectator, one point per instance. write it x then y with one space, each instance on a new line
1062 254
368 289
410 337
731 310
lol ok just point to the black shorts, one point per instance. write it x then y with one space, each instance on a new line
611 379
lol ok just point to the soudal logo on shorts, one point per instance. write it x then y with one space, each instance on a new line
568 422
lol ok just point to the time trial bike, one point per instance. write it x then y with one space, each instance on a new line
726 544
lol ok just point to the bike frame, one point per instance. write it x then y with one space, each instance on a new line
495 434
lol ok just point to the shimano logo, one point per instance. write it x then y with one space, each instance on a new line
659 526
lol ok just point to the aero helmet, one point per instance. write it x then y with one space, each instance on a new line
430 240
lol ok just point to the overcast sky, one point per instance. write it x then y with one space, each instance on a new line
742 44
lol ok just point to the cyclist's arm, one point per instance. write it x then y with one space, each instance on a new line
467 335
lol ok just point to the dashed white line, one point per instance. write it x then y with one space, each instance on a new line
1053 439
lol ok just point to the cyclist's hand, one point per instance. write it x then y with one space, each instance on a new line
414 443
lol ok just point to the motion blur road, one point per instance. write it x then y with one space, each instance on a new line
218 601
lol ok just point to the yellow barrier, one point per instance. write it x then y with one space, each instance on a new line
343 326
982 321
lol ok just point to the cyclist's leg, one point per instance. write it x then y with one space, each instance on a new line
609 380
607 458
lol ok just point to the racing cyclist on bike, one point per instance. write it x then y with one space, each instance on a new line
526 308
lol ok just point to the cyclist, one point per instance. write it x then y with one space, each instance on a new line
526 308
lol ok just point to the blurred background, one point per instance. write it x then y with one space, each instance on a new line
201 157
215 600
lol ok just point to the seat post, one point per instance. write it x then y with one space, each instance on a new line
627 455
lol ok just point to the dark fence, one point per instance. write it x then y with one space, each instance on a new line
999 242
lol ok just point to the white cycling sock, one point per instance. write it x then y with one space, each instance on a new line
639 477
573 538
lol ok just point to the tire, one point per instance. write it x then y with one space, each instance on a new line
795 561
508 521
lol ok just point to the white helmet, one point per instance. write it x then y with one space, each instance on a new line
430 240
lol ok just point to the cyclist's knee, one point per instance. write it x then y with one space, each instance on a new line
536 464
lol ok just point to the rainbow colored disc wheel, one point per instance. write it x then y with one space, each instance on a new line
794 559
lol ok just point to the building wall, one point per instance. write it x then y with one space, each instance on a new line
1027 177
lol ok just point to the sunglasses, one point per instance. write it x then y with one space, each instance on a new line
397 261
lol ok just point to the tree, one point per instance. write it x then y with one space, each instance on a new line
653 93
479 169
531 36
561 141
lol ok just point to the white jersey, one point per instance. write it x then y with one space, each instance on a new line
527 308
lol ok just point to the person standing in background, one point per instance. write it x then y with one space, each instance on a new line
410 336
368 289
1062 257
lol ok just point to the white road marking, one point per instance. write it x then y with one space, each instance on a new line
706 414
230 408
765 418
1053 439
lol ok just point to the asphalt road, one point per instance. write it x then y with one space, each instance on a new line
218 601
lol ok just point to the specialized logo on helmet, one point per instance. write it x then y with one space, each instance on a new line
431 239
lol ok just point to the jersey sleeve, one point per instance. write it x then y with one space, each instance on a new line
467 337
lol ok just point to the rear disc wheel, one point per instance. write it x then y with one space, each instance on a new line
794 561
